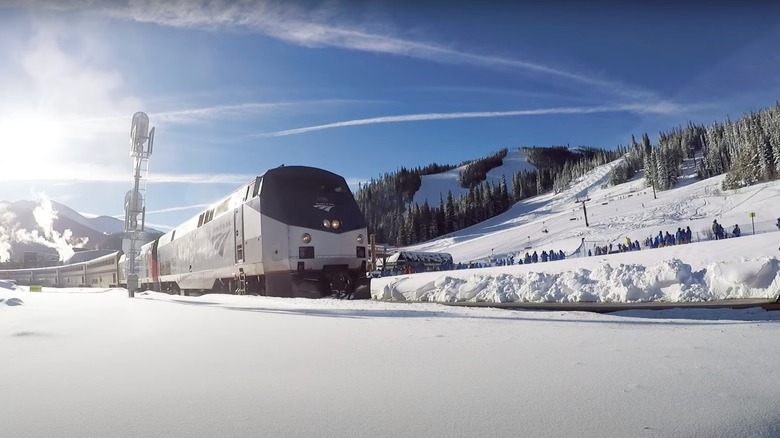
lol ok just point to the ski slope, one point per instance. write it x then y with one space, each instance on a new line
614 214
435 187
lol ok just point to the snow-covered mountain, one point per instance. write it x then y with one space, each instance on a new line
101 224
435 187
23 231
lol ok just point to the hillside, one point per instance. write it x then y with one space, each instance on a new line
414 205
744 267
613 214
101 224
436 186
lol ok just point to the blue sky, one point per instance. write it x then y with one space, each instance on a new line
235 88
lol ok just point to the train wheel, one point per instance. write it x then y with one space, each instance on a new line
349 287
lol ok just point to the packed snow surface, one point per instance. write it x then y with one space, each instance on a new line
94 363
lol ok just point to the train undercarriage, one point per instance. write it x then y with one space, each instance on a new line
336 281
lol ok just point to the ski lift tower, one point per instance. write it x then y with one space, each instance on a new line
141 144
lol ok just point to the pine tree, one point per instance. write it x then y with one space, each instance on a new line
441 222
433 230
449 213
505 201
425 222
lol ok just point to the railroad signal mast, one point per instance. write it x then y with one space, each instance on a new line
141 145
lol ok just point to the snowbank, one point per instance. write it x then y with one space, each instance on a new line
6 284
13 301
670 280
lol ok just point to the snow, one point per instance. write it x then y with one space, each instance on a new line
83 362
103 224
5 284
744 267
703 271
93 362
435 187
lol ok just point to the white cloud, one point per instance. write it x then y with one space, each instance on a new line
69 81
65 105
659 108
322 27
187 115
200 178
98 173
60 75
160 227
164 210
181 208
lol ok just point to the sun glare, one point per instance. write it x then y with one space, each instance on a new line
27 141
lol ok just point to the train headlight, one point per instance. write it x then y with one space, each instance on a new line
326 223
336 224
306 237
360 238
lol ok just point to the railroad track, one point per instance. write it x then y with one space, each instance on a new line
764 303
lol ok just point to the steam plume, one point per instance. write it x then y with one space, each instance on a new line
44 215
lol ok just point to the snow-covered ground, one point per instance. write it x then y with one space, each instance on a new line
744 267
94 363
703 271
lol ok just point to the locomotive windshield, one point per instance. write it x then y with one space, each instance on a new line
317 185
304 196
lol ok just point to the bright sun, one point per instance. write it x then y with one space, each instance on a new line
28 140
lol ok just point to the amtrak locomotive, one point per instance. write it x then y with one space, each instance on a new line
293 232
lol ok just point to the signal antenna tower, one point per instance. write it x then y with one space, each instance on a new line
141 145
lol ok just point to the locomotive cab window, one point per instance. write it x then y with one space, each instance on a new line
257 187
248 191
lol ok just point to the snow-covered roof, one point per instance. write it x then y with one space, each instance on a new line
85 256
422 257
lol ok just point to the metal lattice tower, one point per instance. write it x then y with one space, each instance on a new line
141 145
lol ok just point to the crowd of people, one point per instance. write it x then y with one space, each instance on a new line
663 239
620 247
719 233
680 237
546 256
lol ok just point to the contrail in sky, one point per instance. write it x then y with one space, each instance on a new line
662 108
